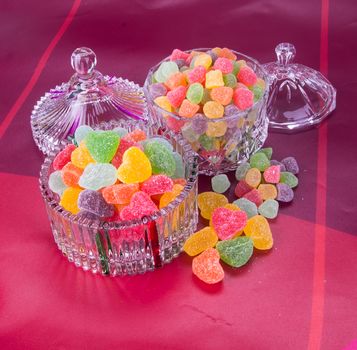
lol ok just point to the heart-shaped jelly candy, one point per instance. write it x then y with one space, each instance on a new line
258 230
227 223
93 202
102 145
140 205
207 268
135 167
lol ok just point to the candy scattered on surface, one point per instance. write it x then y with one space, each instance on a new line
200 241
220 183
269 209
291 165
260 161
253 177
246 205
272 174
258 230
207 267
285 193
267 191
289 179
209 201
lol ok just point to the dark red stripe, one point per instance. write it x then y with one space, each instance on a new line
38 70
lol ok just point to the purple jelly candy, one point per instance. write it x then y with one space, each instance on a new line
83 214
157 90
94 202
199 124
291 165
180 63
285 193
276 162
213 55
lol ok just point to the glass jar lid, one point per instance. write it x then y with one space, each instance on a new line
299 97
88 98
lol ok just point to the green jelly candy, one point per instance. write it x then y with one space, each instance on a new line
230 80
81 133
288 178
260 161
165 70
195 93
246 205
220 183
161 159
235 252
268 151
242 170
180 168
159 139
237 65
102 145
269 209
258 92
206 142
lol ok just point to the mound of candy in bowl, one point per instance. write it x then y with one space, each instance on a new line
120 201
216 98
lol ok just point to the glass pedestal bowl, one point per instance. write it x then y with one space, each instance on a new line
237 135
127 247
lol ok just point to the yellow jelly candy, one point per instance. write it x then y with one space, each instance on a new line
164 103
69 199
135 168
214 78
203 59
81 157
216 129
253 177
168 197
209 201
258 230
231 206
200 241
213 110
267 191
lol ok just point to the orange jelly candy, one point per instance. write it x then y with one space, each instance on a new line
71 175
119 194
267 191
253 177
207 268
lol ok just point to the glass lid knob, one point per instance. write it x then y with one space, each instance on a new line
83 61
285 53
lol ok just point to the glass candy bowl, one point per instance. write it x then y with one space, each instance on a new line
127 247
237 135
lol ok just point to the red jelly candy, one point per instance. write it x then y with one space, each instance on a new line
247 76
157 184
243 98
176 96
254 196
242 188
140 205
207 268
63 157
224 65
179 55
197 75
272 174
125 143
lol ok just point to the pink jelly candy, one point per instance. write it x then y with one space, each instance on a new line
242 188
272 174
227 223
197 75
140 205
254 196
243 98
157 184
63 157
174 124
176 96
224 65
179 55
247 76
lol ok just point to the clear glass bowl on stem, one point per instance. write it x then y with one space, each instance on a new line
127 247
239 134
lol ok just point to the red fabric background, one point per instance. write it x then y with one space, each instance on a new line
301 295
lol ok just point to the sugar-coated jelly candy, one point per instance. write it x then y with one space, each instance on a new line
237 65
268 151
98 175
243 98
285 193
204 60
123 146
216 129
220 183
227 53
55 182
69 199
247 76
140 205
119 193
176 96
174 124
254 196
102 145
188 109
199 124
94 202
71 174
258 230
136 166
207 268
230 80
246 205
272 174
179 55
225 65
176 80
157 90
242 188
222 95
213 110
81 133
206 142
161 159
157 184
165 70
260 161
241 170
291 165
214 78
209 201
180 168
228 223
161 140
289 179
169 197
235 252
164 103
213 55
253 177
195 93
136 135
63 157
197 75
267 191
258 92
200 241
81 157
269 209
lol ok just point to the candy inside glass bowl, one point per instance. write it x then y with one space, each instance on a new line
223 133
132 246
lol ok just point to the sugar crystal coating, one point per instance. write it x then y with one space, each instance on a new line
157 184
98 175
119 193
200 241
267 191
258 230
140 205
246 205
260 161
71 174
253 177
161 159
268 151
291 165
289 179
285 193
93 201
169 197
269 209
254 196
81 157
63 157
272 174
102 145
69 199
165 70
281 165
207 268
242 188
220 183
55 182
209 201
